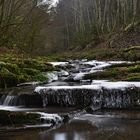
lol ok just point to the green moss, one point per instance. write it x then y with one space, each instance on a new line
12 68
15 70
133 78
134 69
124 65
120 72
34 64
130 54
2 64
31 71
7 78
37 64
41 77
103 75
23 77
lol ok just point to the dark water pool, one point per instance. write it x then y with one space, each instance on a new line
102 125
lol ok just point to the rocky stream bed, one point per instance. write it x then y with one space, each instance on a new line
71 106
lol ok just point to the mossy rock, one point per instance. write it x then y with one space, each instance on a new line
22 118
124 65
7 78
31 71
12 68
41 77
25 70
134 69
133 78
18 118
2 64
38 65
130 54
34 64
102 75
128 73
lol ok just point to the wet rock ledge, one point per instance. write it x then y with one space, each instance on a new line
110 95
28 119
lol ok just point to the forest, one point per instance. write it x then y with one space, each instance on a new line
69 69
37 31
33 26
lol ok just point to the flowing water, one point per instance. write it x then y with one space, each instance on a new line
99 126
73 108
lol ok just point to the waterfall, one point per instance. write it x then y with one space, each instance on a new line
73 97
99 96
11 100
2 98
21 100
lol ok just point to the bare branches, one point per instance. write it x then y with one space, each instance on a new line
20 23
94 18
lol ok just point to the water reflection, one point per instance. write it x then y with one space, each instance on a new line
60 136
97 126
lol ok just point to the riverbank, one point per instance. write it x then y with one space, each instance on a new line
16 69
123 45
19 68
68 96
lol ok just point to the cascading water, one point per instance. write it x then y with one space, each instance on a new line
98 93
10 100
20 96
71 97
67 88
21 100
95 95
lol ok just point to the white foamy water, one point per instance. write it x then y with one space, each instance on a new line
58 63
84 67
55 118
41 88
15 108
115 85
8 99
98 85
52 76
51 3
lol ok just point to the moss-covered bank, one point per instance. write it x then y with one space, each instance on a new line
121 72
130 53
18 69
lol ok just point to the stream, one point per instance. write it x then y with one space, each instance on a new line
72 108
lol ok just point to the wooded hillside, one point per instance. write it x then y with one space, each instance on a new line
38 28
